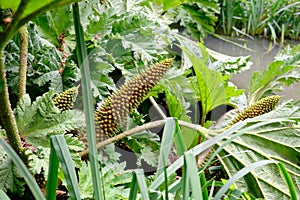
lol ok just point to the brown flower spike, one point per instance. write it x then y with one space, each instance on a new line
113 113
262 106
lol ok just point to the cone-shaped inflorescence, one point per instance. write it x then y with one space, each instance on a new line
65 100
113 113
260 107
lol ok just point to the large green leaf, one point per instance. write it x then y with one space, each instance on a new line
44 64
213 87
37 120
11 177
275 141
229 64
101 82
283 71
182 100
55 25
13 5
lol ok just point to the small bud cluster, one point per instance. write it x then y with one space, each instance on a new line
263 106
65 100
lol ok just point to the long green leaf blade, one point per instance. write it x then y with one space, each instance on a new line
52 175
3 196
32 184
179 140
288 181
192 176
166 143
133 188
142 184
195 151
87 100
61 149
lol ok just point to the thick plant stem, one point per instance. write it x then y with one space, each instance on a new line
23 61
6 113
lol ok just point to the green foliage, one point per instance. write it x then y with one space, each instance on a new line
229 64
60 152
190 177
3 195
114 182
55 25
214 89
262 17
283 71
182 102
146 147
39 119
11 177
44 64
197 18
275 141
135 29
32 7
122 39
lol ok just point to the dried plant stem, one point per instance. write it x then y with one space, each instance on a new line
201 129
147 126
23 61
127 133
156 106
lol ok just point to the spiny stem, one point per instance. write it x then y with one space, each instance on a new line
6 114
23 61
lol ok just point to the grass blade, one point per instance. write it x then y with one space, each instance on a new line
191 175
203 182
3 196
195 151
32 184
52 175
185 180
87 101
140 177
212 190
239 175
133 188
166 184
60 146
166 143
288 181
179 140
